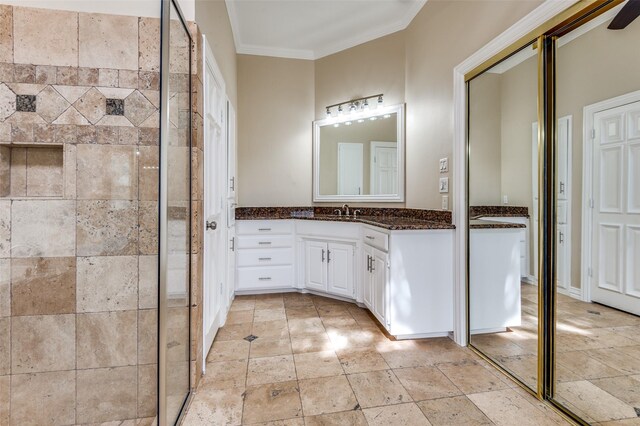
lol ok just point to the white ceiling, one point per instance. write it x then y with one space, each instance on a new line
311 29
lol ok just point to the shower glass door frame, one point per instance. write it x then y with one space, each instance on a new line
171 11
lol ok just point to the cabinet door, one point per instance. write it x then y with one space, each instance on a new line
340 269
315 267
380 278
367 277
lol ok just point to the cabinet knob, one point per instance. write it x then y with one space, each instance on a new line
212 225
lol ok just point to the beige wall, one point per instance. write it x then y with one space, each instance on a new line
413 66
367 69
441 36
484 140
213 20
275 112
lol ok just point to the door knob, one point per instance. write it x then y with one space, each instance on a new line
212 225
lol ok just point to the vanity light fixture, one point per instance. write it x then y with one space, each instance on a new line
373 118
336 125
355 105
387 115
361 121
348 123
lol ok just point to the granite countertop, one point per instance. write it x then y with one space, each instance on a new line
490 224
386 222
390 219
498 211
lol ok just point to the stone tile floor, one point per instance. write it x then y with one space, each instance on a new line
598 357
318 361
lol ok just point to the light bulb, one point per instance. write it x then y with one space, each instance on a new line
336 125
361 121
373 118
340 110
328 112
380 101
348 123
387 115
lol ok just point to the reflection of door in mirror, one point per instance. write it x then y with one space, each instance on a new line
350 168
384 168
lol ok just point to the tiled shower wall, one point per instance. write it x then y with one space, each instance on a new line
79 133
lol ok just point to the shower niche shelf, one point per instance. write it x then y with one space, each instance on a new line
31 171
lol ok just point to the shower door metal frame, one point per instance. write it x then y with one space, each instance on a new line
163 210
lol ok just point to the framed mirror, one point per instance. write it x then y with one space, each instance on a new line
359 157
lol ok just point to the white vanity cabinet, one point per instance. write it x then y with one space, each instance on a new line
408 280
329 267
376 282
404 277
264 255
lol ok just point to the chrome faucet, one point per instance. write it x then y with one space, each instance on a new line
338 212
355 213
345 208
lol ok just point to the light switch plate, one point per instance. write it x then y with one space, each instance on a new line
444 165
444 185
445 202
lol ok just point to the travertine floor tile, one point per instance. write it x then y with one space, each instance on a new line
593 401
397 415
361 360
458 410
326 395
378 388
506 407
345 418
263 347
231 350
273 401
426 383
317 343
317 364
472 377
216 407
226 374
271 370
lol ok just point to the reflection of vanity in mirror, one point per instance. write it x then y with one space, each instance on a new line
360 156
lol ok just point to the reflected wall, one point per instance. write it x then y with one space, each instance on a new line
503 296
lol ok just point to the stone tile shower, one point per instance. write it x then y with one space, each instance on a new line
79 218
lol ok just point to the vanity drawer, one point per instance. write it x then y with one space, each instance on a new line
266 242
264 227
265 277
268 257
376 239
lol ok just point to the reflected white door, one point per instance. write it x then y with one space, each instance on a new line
615 254
350 168
563 191
215 192
384 168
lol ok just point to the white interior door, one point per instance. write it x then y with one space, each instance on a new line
215 161
563 191
384 168
615 231
350 165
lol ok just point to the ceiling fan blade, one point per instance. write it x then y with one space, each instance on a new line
627 14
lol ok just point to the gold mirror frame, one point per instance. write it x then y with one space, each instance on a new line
544 38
